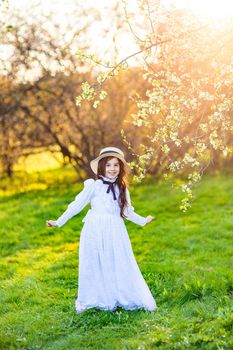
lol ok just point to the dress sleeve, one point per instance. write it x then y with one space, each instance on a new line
130 213
81 200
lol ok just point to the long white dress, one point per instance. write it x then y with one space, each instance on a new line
108 272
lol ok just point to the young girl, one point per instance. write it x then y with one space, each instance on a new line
108 272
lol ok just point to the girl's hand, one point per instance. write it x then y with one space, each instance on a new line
149 219
51 223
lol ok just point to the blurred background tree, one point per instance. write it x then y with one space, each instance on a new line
40 82
186 110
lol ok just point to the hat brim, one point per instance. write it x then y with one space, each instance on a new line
94 162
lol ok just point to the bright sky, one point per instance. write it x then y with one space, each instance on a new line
206 9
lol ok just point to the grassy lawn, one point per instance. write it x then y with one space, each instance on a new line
186 259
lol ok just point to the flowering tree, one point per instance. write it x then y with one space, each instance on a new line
186 110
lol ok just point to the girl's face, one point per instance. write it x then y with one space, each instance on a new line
112 168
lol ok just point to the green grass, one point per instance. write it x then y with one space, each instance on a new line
186 259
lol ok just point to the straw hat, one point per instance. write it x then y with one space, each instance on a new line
106 152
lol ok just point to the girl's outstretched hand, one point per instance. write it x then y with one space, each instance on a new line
51 223
149 218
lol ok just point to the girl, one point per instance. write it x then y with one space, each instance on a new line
108 272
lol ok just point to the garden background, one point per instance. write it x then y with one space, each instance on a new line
153 78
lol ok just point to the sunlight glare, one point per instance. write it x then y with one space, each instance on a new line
208 9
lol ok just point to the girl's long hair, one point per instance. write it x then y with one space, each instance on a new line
122 180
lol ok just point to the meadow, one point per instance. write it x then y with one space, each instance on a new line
185 258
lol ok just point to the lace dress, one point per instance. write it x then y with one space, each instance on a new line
108 272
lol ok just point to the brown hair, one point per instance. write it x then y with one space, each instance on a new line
122 180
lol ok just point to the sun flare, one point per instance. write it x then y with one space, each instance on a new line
208 9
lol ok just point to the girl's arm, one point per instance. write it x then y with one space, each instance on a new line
81 200
132 216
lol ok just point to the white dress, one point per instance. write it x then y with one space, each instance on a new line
108 272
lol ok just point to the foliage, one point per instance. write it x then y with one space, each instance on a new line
186 111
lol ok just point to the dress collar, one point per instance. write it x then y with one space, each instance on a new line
110 180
